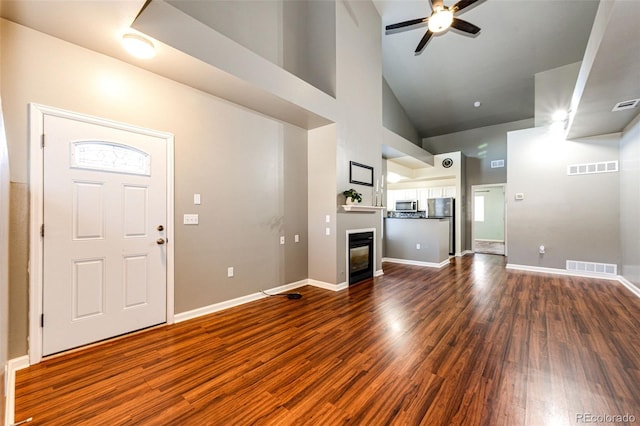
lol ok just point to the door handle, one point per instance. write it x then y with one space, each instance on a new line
160 241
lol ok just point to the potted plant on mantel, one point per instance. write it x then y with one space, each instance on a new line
353 196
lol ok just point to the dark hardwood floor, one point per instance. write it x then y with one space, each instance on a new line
469 344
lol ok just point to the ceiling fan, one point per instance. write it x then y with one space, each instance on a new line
440 20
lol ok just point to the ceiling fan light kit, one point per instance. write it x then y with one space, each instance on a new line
441 19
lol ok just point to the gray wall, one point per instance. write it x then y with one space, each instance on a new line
297 35
630 201
359 128
309 29
480 146
228 154
321 202
574 217
395 118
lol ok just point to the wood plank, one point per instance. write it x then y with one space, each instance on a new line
468 344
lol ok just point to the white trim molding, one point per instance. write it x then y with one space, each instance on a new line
221 306
622 280
12 366
37 113
329 286
556 271
417 262
629 285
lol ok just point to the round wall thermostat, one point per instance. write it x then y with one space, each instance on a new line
447 162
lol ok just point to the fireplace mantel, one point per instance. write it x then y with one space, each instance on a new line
359 208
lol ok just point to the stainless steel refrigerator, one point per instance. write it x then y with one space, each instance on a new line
444 208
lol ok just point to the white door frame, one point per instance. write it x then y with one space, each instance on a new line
473 203
36 185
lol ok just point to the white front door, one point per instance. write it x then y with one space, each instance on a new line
104 244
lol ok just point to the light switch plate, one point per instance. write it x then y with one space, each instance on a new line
296 238
196 199
230 271
282 239
190 219
327 231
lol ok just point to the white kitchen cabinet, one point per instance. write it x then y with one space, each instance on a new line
449 191
436 192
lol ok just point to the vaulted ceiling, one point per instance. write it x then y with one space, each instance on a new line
438 87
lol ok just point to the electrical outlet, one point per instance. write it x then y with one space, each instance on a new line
282 239
196 199
190 219
418 246
296 238
230 272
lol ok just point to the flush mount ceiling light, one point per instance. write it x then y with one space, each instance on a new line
138 46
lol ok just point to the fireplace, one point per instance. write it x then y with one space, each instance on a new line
360 256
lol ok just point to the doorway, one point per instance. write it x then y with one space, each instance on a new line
488 224
102 208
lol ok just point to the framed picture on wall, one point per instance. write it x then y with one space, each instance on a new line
360 174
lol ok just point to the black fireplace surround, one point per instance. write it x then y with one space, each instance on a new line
360 256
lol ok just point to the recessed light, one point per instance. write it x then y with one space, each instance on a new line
559 115
138 46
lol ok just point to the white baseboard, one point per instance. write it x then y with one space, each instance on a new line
561 272
328 286
216 307
622 280
417 262
629 285
378 273
464 253
13 365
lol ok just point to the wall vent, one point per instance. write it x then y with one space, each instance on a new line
592 267
590 168
624 105
495 164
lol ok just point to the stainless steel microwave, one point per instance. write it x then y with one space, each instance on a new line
407 205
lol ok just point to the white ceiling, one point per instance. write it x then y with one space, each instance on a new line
437 88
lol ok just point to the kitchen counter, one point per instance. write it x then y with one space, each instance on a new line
417 240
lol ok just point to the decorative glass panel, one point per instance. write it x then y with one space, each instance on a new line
110 157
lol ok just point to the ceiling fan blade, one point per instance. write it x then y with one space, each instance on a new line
462 4
406 23
465 26
423 41
436 4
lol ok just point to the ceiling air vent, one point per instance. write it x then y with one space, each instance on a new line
624 105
